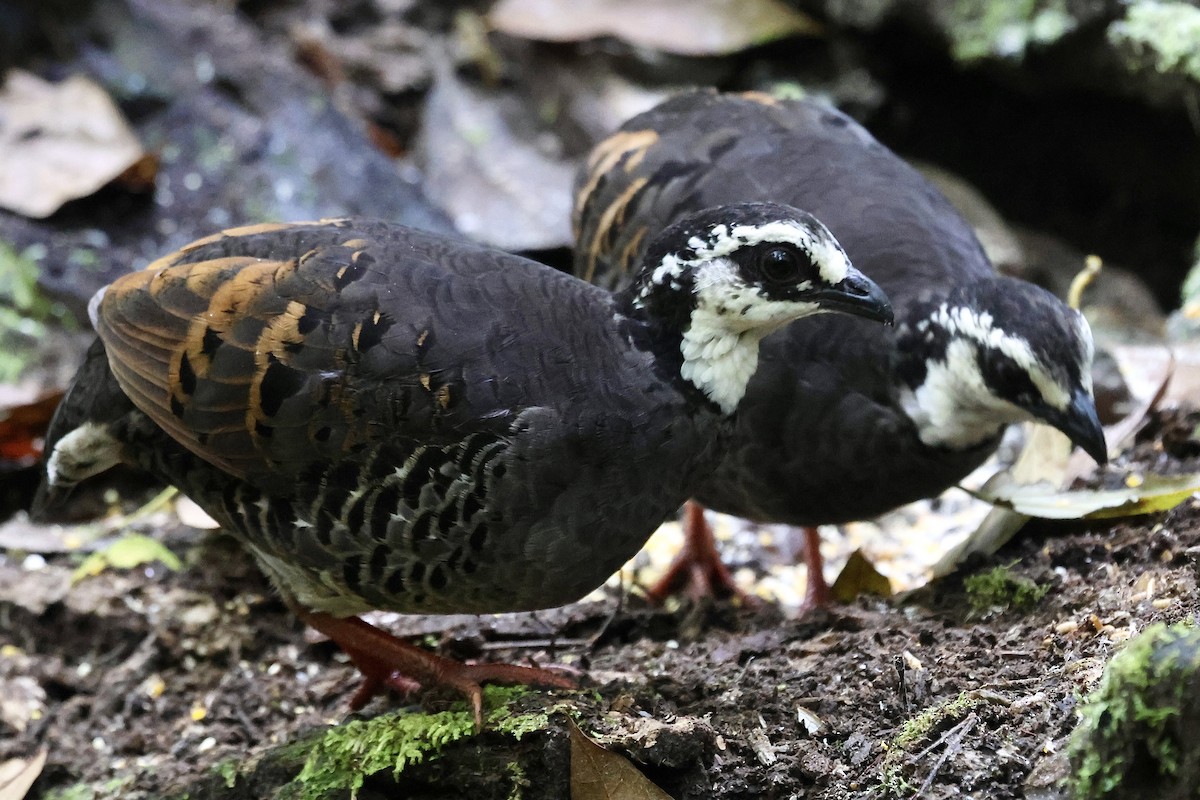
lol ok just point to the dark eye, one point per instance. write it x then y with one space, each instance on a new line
1011 381
780 264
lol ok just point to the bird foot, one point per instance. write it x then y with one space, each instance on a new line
388 662
697 569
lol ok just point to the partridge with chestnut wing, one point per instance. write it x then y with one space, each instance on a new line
391 419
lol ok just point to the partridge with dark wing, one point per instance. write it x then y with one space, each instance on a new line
391 419
842 421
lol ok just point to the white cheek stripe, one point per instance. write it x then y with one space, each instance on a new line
953 407
963 321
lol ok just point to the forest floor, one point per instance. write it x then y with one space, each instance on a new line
197 682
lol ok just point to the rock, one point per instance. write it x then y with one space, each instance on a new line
1137 737
242 136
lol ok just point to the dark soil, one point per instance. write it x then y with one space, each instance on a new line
147 680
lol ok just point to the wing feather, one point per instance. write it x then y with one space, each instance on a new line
266 349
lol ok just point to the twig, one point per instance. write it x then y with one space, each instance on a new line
617 609
953 740
540 644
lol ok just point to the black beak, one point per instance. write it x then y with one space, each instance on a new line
1081 424
858 295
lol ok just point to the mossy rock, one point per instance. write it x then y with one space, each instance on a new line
1140 734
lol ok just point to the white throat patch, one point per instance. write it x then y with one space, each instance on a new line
720 346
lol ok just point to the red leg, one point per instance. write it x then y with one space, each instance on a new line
697 568
816 591
385 660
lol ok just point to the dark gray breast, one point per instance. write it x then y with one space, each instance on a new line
821 437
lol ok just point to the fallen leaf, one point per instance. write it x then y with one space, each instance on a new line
22 428
59 142
193 515
858 577
22 701
1042 460
34 589
18 774
599 774
1153 494
811 723
21 533
683 27
127 552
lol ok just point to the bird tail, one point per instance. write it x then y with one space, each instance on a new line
85 435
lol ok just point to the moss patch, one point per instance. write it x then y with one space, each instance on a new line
921 728
1000 588
1137 734
1164 37
343 758
985 29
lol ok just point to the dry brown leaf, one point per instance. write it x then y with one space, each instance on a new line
684 27
59 142
859 576
18 774
23 427
599 774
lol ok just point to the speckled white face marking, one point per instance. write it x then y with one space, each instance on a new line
960 321
731 316
955 407
818 244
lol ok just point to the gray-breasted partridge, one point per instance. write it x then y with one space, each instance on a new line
842 421
391 419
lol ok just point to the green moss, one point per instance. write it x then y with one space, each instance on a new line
228 771
80 791
919 729
343 758
112 788
987 29
517 779
999 588
1164 36
1136 737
